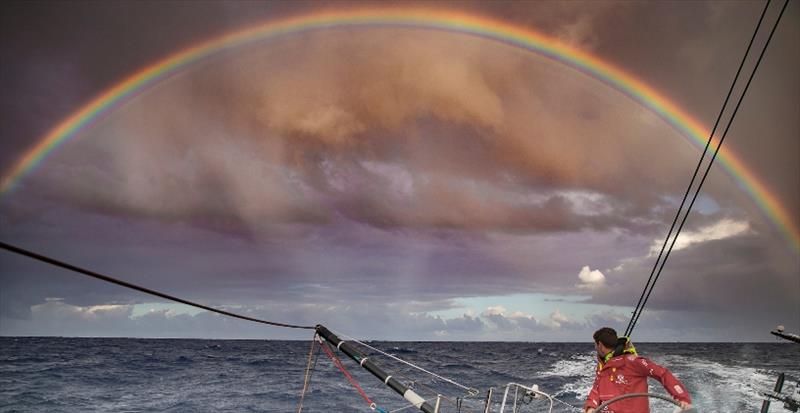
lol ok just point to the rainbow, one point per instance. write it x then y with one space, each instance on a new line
447 20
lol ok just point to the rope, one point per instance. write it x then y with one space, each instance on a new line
456 402
472 391
113 280
696 170
574 407
649 287
325 346
309 371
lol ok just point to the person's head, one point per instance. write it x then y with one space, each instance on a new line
605 339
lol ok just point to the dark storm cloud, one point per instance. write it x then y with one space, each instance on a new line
717 276
396 149
313 103
57 56
339 175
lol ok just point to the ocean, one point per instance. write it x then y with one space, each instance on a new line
50 374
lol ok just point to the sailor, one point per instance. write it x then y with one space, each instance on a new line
621 371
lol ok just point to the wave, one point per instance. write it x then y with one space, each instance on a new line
720 387
580 365
401 350
268 376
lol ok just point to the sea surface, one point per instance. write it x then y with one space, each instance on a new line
46 374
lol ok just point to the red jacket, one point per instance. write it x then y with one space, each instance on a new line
628 374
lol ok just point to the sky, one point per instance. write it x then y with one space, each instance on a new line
400 183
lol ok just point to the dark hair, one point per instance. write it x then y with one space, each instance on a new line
607 336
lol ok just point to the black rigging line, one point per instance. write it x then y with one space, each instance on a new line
112 280
647 285
636 316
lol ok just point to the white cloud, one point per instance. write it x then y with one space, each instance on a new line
494 310
519 314
57 308
588 202
590 278
723 229
558 319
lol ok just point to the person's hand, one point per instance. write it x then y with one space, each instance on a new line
686 405
590 410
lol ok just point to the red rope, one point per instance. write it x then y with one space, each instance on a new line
350 378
